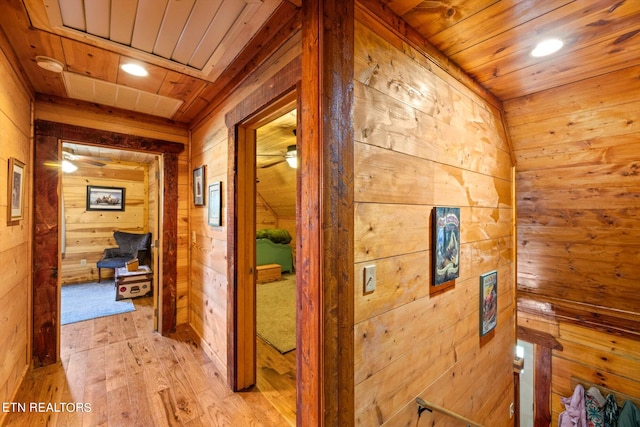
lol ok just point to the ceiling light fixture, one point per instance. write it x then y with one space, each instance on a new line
292 156
547 47
68 167
134 69
49 64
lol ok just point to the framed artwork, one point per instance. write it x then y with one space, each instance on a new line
105 198
198 186
446 242
488 302
215 204
15 190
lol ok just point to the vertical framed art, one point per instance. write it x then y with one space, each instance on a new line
215 204
488 302
446 244
15 190
198 186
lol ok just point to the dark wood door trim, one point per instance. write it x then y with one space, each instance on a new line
46 226
240 190
326 390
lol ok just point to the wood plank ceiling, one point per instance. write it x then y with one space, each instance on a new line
490 39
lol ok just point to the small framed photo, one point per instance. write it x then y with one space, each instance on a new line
198 186
15 190
215 204
105 198
488 302
446 245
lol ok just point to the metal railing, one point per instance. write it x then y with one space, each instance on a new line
428 406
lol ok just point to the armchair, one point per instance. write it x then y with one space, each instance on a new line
130 246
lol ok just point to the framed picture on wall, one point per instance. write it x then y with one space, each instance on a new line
488 302
15 190
198 186
446 242
215 204
105 198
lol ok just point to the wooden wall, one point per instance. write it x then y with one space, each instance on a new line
15 249
208 272
88 233
578 226
423 139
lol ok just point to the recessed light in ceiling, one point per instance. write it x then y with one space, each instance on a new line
134 69
547 47
49 64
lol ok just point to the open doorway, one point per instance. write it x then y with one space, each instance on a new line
276 195
105 192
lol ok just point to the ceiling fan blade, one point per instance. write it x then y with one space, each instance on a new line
90 162
272 164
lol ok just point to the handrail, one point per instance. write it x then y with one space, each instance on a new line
428 406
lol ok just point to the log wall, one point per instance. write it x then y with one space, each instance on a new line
422 139
88 233
15 236
577 187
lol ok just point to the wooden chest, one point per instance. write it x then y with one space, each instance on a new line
133 284
268 273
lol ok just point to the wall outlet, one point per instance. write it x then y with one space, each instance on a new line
369 279
83 263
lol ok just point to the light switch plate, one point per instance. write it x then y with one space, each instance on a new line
369 279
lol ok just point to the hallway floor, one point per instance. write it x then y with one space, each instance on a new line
115 371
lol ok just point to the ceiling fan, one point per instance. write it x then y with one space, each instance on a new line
70 155
291 157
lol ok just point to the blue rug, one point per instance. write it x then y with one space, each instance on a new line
90 300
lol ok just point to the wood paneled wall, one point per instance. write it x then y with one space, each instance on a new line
423 139
15 237
578 225
208 270
88 233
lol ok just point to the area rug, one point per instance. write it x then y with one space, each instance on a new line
90 300
276 313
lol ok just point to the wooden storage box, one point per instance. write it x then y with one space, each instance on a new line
133 284
268 273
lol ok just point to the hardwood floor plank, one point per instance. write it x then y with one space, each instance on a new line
128 375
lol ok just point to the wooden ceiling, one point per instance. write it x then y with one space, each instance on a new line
489 39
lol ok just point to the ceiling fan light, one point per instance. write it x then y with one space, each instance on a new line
68 167
292 156
547 47
134 69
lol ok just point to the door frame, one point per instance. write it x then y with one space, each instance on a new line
46 220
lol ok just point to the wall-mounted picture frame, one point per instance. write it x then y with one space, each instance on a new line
215 204
488 302
198 186
15 190
446 244
105 198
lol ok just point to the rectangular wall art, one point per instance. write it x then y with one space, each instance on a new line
446 241
488 302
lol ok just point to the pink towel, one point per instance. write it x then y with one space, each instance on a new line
575 414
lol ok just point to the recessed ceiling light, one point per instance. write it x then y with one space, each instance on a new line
547 47
134 69
49 64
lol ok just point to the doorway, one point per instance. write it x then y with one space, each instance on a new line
46 254
131 182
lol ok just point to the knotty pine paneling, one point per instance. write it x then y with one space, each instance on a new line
421 140
16 236
88 233
577 187
208 308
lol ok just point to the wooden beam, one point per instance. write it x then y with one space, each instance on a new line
325 264
542 386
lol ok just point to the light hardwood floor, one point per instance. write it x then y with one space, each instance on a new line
132 376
